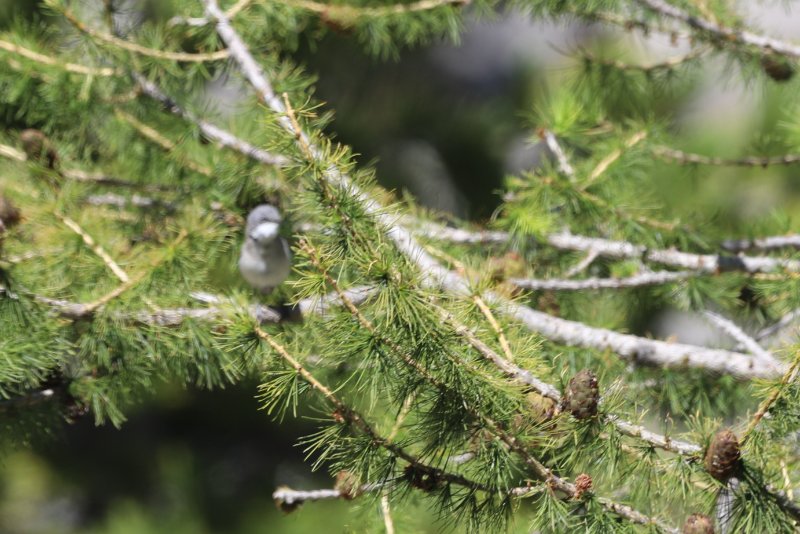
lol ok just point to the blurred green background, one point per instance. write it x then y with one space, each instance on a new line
447 124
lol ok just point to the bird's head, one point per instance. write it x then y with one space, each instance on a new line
263 223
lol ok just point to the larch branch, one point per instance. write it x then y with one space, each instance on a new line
742 37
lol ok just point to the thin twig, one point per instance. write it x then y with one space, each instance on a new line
348 13
112 40
232 11
404 411
788 377
290 497
613 156
501 337
118 271
733 330
82 176
12 153
665 64
582 265
55 62
782 323
564 166
689 158
158 138
337 12
387 515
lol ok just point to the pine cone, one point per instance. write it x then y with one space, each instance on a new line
777 68
723 456
580 398
420 479
698 524
9 214
38 148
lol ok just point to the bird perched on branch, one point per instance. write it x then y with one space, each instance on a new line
265 260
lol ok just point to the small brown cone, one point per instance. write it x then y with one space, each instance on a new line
698 524
420 479
38 148
9 213
779 69
723 456
581 396
583 484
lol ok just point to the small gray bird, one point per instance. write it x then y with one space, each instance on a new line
265 260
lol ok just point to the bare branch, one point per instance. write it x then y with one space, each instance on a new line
763 243
637 280
219 135
289 497
705 263
742 37
554 147
733 330
439 232
783 323
642 350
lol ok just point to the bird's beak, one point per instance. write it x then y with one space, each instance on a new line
264 232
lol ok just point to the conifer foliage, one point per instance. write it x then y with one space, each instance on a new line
522 396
